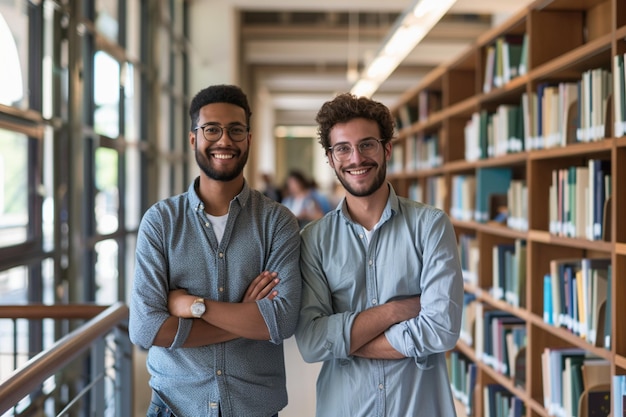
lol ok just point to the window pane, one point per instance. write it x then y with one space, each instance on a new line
107 197
106 95
13 188
131 105
14 285
14 53
165 55
106 271
133 187
106 19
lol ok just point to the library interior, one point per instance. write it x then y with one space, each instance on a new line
510 117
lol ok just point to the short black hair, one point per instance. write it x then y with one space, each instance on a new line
222 93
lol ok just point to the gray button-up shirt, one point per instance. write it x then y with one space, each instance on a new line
412 251
176 248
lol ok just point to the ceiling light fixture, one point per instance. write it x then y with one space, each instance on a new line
409 29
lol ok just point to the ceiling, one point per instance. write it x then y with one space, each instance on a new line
301 53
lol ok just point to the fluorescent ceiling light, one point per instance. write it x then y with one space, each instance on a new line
409 30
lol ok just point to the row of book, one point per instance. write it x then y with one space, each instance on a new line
509 272
422 152
497 400
505 59
577 298
579 200
489 135
492 195
428 102
575 383
554 114
500 341
462 372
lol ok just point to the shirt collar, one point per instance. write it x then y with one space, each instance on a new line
197 204
391 208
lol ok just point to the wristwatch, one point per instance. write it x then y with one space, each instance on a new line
198 308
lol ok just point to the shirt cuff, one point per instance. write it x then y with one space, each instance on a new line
184 328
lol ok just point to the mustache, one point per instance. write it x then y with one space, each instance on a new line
360 166
218 149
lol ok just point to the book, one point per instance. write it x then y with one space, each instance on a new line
490 181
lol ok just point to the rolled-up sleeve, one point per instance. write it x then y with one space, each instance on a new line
281 313
148 301
321 334
436 328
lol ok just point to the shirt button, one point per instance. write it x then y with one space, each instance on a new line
370 262
361 235
221 255
381 386
221 289
206 224
213 405
219 372
374 301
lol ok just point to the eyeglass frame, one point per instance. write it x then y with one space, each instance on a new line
222 128
331 148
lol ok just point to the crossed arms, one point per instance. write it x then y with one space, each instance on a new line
221 321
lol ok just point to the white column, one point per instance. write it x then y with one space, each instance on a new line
214 39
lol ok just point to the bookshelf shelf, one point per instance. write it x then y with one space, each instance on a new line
591 55
602 148
567 42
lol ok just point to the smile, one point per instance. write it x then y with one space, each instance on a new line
358 171
223 156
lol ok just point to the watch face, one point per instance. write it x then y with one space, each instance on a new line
198 308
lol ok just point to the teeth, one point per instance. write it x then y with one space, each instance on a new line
359 172
223 156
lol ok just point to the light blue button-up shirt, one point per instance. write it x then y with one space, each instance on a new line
412 251
177 248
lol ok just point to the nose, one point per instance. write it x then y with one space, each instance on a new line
356 156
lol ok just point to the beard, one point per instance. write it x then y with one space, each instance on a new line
379 180
204 162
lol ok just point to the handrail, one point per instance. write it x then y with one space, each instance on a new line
33 373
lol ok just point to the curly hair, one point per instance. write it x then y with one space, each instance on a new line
222 93
345 107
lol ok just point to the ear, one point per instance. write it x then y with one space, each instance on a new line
331 161
387 148
192 139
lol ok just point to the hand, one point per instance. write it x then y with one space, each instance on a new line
261 287
179 303
406 309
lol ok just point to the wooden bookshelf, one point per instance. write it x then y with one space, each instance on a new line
566 41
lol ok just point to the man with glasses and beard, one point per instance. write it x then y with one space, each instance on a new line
382 286
217 279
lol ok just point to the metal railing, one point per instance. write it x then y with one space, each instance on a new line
88 372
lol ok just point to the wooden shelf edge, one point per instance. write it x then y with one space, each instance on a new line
620 362
620 248
573 149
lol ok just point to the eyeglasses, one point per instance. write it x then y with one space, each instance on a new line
343 151
213 132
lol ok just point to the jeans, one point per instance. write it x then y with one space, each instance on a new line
159 409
